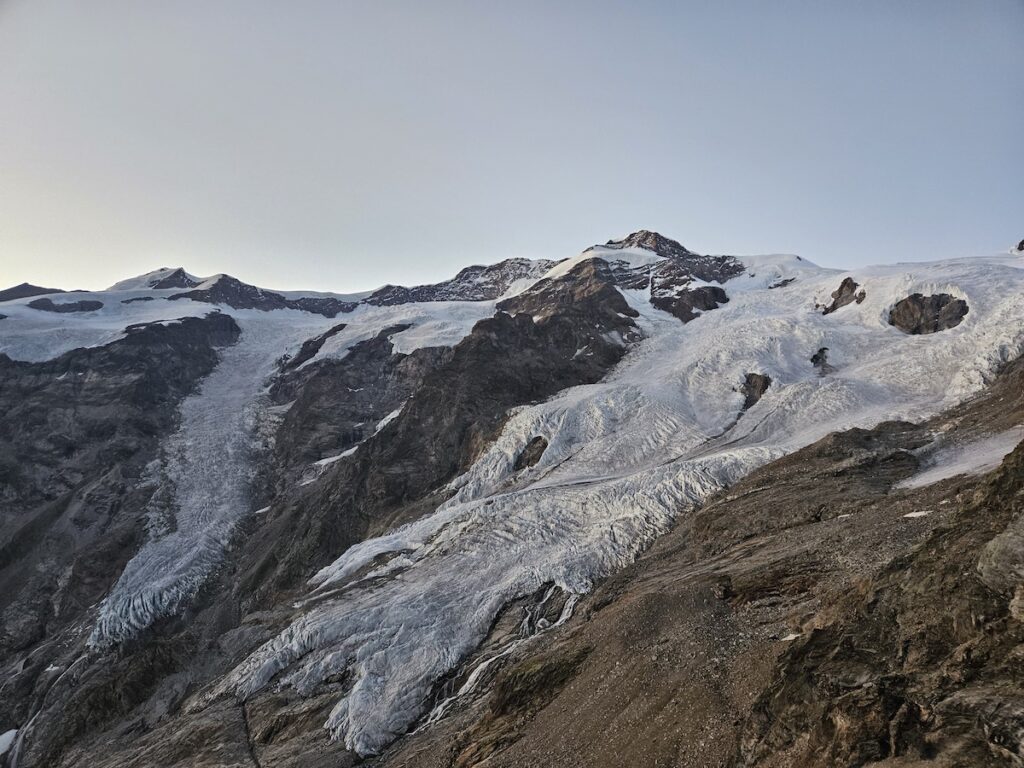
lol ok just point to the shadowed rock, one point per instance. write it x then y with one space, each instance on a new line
176 279
310 347
820 361
690 302
845 294
919 314
755 385
477 283
531 454
238 295
48 305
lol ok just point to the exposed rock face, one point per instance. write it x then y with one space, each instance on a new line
238 295
557 334
176 279
48 305
310 347
846 293
75 440
754 387
477 283
652 241
25 290
916 663
336 404
688 303
1020 246
681 264
820 361
918 314
670 282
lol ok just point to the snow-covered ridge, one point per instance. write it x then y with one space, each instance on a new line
624 458
157 296
156 277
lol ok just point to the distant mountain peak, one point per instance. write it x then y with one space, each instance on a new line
175 278
651 241
158 279
25 290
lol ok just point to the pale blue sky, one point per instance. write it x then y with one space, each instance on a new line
340 145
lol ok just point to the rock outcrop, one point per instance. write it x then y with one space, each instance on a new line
48 305
919 314
753 389
845 294
531 454
232 292
177 278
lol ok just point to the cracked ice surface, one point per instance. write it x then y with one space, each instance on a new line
624 458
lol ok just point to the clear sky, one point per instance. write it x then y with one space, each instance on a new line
339 145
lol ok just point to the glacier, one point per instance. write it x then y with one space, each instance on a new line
625 458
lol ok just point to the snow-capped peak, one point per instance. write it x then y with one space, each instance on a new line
158 279
650 241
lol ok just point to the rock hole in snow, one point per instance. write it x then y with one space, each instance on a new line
531 454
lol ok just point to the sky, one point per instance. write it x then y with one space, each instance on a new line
342 145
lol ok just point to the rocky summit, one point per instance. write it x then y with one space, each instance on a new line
640 506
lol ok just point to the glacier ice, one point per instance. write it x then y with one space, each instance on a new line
204 477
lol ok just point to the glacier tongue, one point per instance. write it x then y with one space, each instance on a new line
624 458
204 476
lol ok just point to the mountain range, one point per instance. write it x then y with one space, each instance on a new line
636 507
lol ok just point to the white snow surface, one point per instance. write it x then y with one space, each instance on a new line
625 457
434 324
35 335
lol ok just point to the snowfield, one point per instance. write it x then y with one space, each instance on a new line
625 457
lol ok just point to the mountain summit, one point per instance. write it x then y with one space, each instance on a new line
651 241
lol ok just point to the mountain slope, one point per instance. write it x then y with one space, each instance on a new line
357 521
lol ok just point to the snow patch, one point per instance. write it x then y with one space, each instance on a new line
6 740
975 458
